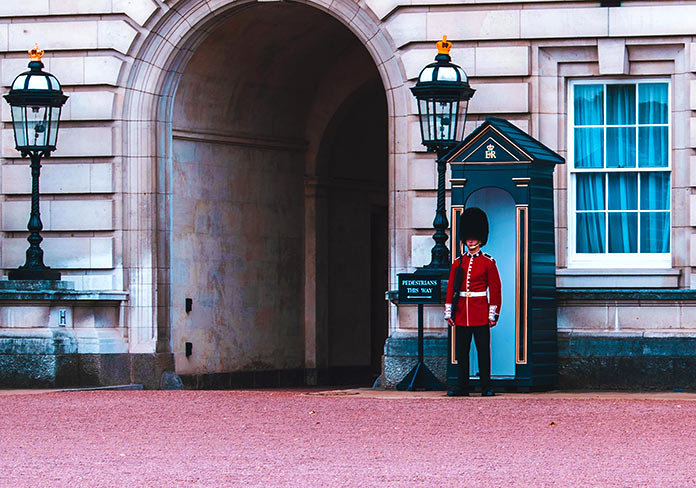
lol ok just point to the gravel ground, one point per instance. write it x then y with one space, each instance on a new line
305 439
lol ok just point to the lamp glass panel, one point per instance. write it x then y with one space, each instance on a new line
54 83
37 125
444 123
53 126
38 83
426 75
423 118
462 106
19 82
18 118
447 74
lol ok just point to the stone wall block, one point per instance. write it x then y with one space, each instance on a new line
423 211
473 24
564 22
636 317
692 171
72 7
102 70
493 98
53 36
11 67
84 142
502 61
422 174
382 8
26 7
692 251
404 27
613 57
3 38
101 178
547 131
90 106
652 21
548 95
15 215
115 34
99 282
72 142
63 252
692 132
101 252
59 178
138 10
421 247
586 317
82 215
24 316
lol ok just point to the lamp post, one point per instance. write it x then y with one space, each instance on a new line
36 100
443 95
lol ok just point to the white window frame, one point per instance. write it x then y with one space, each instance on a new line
614 260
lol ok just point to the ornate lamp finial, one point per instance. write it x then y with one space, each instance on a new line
35 53
443 47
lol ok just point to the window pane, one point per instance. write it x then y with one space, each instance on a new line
652 147
589 148
654 232
589 104
621 104
623 229
654 191
590 232
623 191
652 103
621 147
590 192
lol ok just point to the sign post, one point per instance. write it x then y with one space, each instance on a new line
419 289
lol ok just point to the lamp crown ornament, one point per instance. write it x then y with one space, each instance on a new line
444 46
35 54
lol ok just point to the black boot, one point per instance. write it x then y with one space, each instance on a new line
457 391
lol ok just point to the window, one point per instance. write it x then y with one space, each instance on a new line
620 173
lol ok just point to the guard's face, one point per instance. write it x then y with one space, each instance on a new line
473 243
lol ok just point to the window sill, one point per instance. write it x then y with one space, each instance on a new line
617 278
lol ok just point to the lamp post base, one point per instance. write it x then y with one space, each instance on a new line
34 274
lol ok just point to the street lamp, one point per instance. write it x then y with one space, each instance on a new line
443 95
36 99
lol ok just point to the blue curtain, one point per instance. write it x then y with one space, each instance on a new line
623 226
590 223
589 141
654 225
652 141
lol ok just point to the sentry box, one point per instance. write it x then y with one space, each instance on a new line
509 174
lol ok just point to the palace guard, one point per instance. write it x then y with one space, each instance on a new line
473 301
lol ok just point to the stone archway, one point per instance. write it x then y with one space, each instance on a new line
156 299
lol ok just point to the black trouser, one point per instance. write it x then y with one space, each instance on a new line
482 338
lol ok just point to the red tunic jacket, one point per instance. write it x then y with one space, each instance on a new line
479 274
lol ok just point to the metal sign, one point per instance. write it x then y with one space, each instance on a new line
419 288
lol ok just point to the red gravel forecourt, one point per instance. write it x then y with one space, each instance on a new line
343 439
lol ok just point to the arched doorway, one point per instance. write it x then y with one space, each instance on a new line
278 199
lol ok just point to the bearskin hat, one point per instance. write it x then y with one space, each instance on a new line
473 223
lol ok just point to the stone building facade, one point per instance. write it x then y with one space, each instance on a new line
237 183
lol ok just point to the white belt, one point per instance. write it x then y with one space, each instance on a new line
472 294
